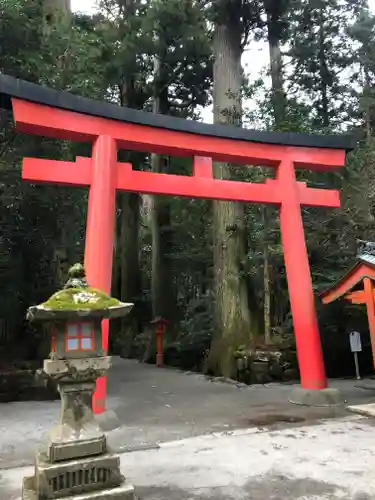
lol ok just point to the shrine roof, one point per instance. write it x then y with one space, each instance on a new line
11 87
363 268
367 258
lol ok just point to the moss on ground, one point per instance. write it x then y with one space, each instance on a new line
80 298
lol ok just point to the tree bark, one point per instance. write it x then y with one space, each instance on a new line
56 11
129 272
324 72
266 282
232 317
276 67
366 93
163 296
162 290
129 244
128 247
279 112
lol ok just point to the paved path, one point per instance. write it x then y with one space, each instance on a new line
334 460
157 406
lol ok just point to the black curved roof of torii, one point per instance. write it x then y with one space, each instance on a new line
21 89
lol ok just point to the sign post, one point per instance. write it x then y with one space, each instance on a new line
355 347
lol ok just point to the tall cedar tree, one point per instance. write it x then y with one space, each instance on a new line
363 35
182 76
233 322
276 11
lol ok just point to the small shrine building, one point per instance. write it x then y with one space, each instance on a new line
358 286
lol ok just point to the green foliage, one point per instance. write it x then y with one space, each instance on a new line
42 226
20 38
180 42
321 52
193 342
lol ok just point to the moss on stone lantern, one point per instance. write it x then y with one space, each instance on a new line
74 460
76 313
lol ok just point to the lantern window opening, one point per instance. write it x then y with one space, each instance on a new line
80 337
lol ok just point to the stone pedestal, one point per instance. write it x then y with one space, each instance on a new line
92 477
159 360
74 462
123 492
320 398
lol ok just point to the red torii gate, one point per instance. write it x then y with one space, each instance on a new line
42 111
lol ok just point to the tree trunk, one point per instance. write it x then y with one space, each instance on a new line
130 272
232 317
128 247
129 243
276 67
163 296
266 282
56 11
366 93
324 73
279 112
163 299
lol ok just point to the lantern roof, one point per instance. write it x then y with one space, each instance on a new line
77 300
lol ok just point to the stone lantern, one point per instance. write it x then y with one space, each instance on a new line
74 460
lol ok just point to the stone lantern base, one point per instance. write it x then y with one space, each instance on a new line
124 492
91 478
74 462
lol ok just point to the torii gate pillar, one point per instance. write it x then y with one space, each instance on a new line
100 229
309 351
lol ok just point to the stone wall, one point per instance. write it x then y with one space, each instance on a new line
25 385
265 366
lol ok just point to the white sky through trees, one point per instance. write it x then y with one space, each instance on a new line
256 57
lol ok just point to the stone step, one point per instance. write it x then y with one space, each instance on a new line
367 410
123 492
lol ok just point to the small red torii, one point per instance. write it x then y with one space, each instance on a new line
42 111
160 327
358 287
